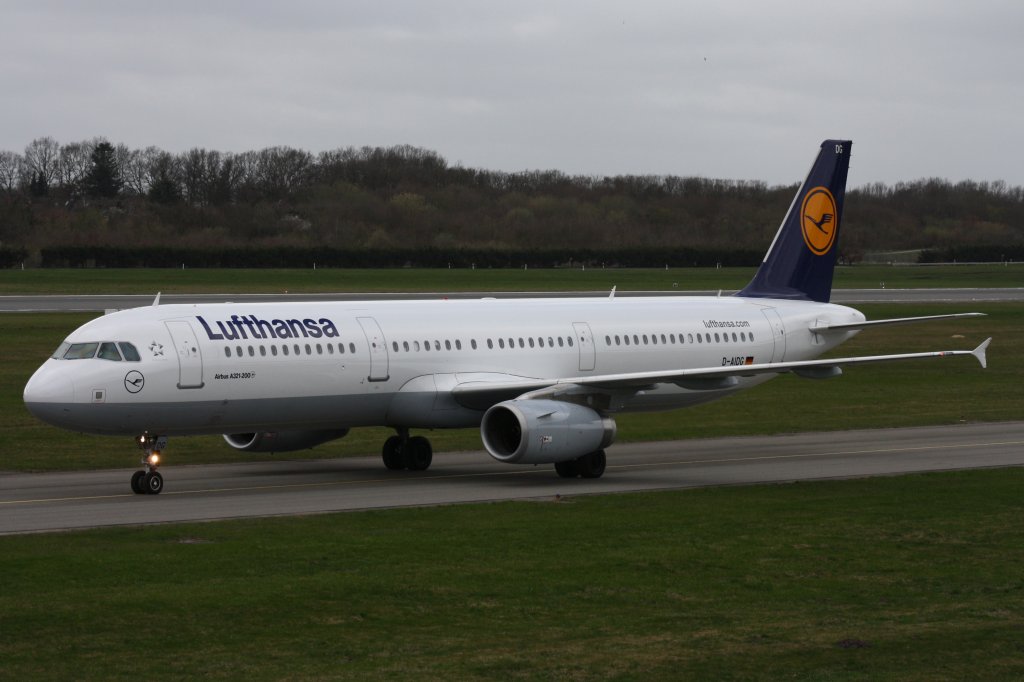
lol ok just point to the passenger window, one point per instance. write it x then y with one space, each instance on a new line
699 340
472 344
298 351
607 340
751 336
309 351
394 346
352 347
626 339
560 343
273 351
284 348
636 340
252 352
108 351
416 346
263 351
663 339
405 345
716 337
447 344
531 341
458 344
569 341
511 343
672 338
521 344
489 344
645 339
238 351
320 349
690 337
540 341
227 351
551 342
437 345
81 351
129 352
501 343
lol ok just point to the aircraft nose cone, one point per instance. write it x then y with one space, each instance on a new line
49 396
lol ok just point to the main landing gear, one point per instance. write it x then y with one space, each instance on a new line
590 465
402 452
148 481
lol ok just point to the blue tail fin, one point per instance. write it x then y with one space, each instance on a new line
800 261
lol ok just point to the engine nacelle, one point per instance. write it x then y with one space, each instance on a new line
543 431
281 441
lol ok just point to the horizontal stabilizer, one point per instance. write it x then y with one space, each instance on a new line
882 323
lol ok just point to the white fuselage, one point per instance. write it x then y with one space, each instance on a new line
227 368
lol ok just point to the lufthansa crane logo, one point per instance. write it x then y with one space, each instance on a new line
819 221
134 381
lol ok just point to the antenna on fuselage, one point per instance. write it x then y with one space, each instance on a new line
156 301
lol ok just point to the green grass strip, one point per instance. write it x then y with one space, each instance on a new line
909 578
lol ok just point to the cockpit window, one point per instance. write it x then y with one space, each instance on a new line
108 351
59 353
81 351
129 352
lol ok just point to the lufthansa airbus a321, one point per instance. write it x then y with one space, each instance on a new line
542 378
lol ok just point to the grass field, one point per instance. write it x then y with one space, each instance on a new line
902 394
906 578
169 281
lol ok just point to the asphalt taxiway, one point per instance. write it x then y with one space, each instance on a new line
69 500
104 302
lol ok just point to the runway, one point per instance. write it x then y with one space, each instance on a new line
103 302
70 500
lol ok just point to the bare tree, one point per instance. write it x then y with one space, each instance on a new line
41 156
12 170
73 163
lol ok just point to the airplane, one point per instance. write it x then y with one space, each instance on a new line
542 378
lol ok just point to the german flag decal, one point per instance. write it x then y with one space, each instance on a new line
819 221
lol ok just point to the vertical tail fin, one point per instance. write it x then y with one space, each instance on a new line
800 261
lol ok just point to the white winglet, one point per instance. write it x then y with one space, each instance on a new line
979 352
156 301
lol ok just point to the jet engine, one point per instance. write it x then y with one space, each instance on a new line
281 441
543 431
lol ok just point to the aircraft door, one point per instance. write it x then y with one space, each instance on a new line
378 349
585 341
190 360
778 333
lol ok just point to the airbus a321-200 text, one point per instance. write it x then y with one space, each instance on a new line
542 378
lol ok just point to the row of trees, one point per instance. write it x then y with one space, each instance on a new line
95 193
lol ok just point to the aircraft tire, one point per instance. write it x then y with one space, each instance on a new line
392 454
568 469
137 482
419 454
153 483
592 465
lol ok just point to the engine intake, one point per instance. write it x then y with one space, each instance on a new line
543 431
281 441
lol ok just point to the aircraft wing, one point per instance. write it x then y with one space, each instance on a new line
483 394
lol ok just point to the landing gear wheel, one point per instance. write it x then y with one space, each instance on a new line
392 454
567 469
153 483
418 454
137 482
591 465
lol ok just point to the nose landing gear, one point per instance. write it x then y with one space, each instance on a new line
148 481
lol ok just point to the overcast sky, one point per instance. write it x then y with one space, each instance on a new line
743 89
